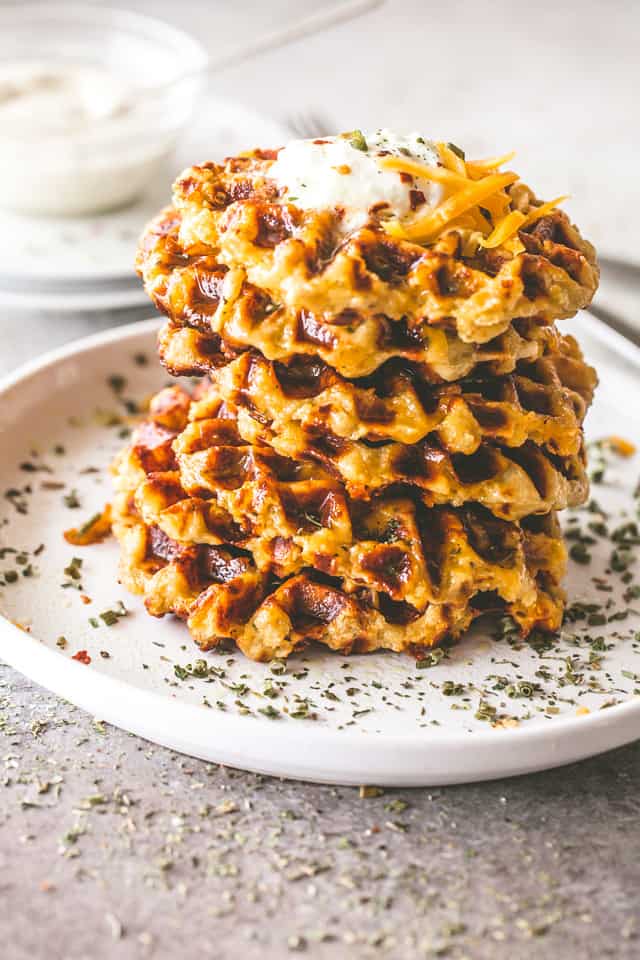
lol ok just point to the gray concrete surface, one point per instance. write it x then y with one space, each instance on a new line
111 847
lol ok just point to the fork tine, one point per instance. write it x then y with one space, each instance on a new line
309 125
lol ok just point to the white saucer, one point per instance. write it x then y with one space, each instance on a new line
122 297
379 719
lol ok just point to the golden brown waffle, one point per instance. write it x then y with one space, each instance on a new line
234 213
291 516
389 425
392 544
438 356
221 594
290 406
214 460
437 310
510 482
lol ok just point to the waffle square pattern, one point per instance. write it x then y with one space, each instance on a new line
386 420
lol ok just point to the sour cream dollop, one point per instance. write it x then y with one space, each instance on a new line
343 172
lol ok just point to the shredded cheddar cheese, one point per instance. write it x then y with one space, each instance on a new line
505 229
416 169
93 531
624 448
543 210
474 192
452 160
479 168
430 224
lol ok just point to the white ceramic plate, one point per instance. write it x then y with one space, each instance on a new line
378 719
119 297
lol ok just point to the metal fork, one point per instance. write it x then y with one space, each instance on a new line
306 126
616 301
616 322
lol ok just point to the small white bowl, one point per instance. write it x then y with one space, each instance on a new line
96 169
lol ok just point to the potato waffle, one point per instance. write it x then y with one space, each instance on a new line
544 401
389 418
235 214
438 357
213 455
355 324
213 459
392 544
221 594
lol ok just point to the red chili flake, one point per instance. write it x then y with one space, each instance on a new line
82 657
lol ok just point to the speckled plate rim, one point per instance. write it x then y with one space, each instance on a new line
305 753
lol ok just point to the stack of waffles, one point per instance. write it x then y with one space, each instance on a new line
382 431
